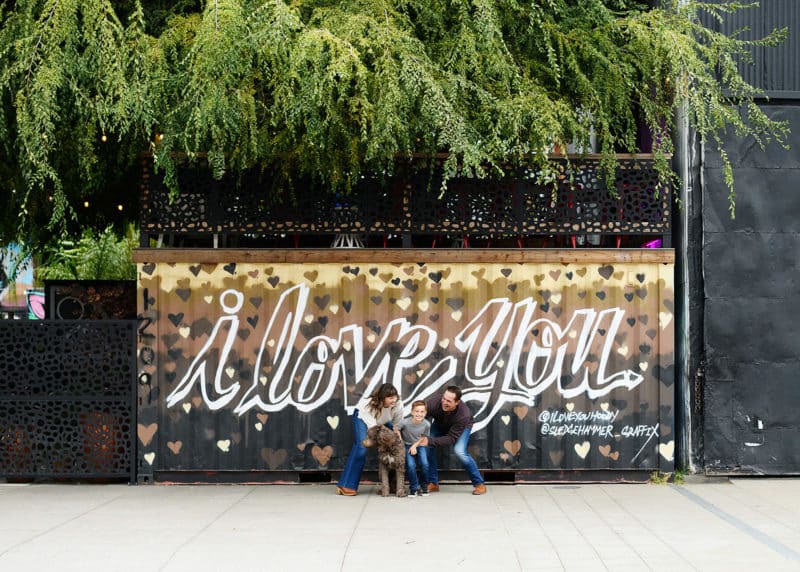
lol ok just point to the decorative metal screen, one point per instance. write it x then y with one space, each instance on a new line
67 398
412 202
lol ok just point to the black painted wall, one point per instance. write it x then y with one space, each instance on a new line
751 317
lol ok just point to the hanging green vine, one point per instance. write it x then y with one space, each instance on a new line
329 89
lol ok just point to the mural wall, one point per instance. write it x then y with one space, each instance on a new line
253 361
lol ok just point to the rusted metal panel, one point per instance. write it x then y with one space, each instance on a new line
255 366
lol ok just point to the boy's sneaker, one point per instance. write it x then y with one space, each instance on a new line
424 491
413 494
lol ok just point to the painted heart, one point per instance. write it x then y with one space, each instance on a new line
333 421
347 304
628 296
273 458
322 454
455 303
187 407
183 293
322 301
333 308
376 300
478 273
259 426
604 406
555 298
435 276
395 281
148 269
403 303
556 457
253 273
273 280
373 271
512 287
409 270
606 271
521 411
582 294
175 446
444 343
505 419
640 278
601 295
581 272
224 445
554 274
538 279
311 275
631 321
146 433
669 305
605 450
410 285
623 351
569 275
614 456
456 316
301 446
505 272
176 319
230 268
641 292
149 457
236 437
262 417
570 406
434 317
667 450
619 275
651 334
197 401
664 318
582 449
208 299
423 305
512 447
505 457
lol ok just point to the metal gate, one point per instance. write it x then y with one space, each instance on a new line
67 399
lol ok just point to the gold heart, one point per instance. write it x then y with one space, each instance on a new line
605 450
512 447
322 454
146 433
521 411
262 417
175 446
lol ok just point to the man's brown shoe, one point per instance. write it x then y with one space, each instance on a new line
346 492
433 488
479 490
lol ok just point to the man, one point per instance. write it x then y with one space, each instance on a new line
451 425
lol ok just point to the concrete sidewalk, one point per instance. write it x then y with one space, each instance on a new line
743 524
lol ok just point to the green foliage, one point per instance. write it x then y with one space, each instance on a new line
327 90
95 256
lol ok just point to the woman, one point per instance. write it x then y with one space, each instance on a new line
383 407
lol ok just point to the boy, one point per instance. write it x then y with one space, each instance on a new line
413 431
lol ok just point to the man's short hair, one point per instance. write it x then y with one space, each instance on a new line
455 390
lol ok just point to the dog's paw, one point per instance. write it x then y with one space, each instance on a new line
384 493
401 494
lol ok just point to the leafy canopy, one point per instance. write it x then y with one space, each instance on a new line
328 89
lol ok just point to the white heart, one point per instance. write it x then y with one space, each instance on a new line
187 407
333 421
333 308
224 445
184 331
263 380
371 338
664 318
208 299
500 363
604 406
270 343
404 303
420 373
573 334
667 450
230 371
570 406
149 457
309 318
505 419
555 298
444 343
583 449
259 426
347 346
643 366
456 315
423 305
623 351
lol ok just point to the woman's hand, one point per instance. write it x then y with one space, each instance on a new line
412 449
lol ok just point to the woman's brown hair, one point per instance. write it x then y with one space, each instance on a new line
377 397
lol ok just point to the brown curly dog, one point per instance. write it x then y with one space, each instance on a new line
391 455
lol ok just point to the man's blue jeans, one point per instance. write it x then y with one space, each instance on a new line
411 468
354 466
460 449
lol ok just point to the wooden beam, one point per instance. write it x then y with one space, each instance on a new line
404 256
